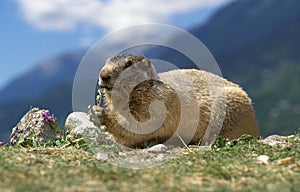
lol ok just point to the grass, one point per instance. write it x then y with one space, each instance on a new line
231 165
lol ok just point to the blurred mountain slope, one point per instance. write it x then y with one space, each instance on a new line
45 76
260 51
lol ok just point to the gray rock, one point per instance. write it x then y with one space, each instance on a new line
33 127
78 125
160 148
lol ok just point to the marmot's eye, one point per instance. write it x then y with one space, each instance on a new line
128 64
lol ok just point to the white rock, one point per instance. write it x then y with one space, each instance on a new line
160 148
122 154
276 140
102 156
78 125
160 157
273 137
263 159
272 142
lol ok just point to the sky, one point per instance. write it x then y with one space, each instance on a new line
34 31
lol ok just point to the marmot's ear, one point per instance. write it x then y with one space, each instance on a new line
128 63
146 61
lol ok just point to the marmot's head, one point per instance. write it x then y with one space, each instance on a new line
125 71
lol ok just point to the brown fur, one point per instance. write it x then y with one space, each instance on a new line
177 90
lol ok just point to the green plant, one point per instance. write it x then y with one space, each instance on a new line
99 96
61 141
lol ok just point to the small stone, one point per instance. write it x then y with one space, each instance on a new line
160 148
273 137
290 136
160 157
102 156
275 140
272 142
286 160
189 163
263 159
122 154
103 128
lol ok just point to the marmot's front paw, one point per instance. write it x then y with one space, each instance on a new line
96 114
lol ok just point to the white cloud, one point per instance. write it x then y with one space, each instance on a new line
111 15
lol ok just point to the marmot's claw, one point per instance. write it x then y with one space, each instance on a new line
95 113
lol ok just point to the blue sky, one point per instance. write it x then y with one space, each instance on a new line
33 31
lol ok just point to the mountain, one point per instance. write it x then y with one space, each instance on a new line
248 29
246 23
255 42
45 76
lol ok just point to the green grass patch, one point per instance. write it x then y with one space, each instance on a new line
230 165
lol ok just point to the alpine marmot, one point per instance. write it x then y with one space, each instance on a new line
186 105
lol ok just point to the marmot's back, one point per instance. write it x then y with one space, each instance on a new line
221 102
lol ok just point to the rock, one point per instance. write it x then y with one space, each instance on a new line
78 125
102 156
273 137
160 148
122 154
189 163
276 140
263 159
272 142
160 157
37 125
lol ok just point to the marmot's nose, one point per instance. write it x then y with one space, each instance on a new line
105 78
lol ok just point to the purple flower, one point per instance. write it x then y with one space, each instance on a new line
1 143
48 117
